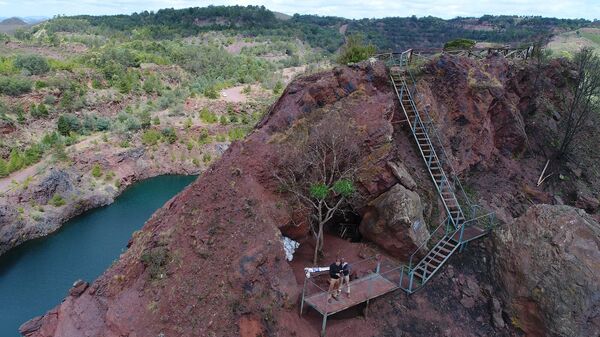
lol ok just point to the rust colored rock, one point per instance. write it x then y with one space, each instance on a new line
224 257
401 173
78 288
394 221
587 202
547 265
30 326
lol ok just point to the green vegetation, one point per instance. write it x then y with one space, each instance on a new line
169 135
97 171
14 85
237 133
207 116
151 137
155 260
68 123
355 50
33 64
57 201
458 44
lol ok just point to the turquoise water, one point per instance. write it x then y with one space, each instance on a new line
37 275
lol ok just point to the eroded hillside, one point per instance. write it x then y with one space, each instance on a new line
211 261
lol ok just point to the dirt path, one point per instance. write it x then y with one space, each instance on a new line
7 183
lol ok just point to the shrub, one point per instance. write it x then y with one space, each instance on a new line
151 137
170 135
206 157
34 64
355 50
3 168
459 44
188 123
39 111
278 88
145 119
96 171
40 85
207 116
15 161
71 100
221 137
236 134
14 86
223 120
211 92
20 114
49 99
155 260
33 154
203 138
152 84
57 201
68 123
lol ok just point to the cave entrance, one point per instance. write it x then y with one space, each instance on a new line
345 225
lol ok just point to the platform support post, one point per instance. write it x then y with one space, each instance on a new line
324 325
303 291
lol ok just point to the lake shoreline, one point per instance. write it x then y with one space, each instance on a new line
39 273
27 211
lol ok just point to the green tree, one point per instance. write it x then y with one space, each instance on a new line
355 50
68 123
325 188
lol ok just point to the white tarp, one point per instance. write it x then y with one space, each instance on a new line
290 247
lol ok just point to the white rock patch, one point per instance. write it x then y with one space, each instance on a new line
290 247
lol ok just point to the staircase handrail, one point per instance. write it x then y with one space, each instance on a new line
428 121
431 235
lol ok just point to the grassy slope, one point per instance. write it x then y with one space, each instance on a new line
566 44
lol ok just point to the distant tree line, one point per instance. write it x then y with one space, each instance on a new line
393 33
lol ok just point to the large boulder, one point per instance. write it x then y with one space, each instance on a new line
547 266
394 221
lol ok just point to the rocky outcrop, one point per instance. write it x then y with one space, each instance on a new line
394 221
219 241
213 254
547 265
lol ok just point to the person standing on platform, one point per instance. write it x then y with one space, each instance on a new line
335 274
345 278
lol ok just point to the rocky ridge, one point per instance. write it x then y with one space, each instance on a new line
211 261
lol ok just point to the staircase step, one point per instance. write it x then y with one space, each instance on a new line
439 254
420 275
432 260
445 250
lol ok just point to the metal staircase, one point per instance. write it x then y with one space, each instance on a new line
462 223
